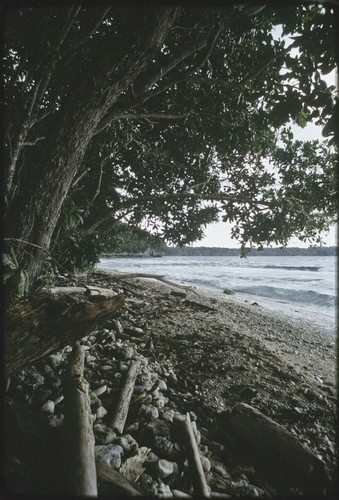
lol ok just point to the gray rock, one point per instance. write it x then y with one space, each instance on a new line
167 414
56 420
227 291
161 490
55 360
128 444
149 412
48 407
104 434
117 326
134 331
110 455
159 400
101 412
123 368
94 400
166 468
165 447
48 370
146 482
100 390
32 376
59 399
162 385
206 464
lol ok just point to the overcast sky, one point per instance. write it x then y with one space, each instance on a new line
218 234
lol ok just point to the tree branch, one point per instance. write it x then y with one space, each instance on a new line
171 63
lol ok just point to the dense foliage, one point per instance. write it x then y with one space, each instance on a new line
166 118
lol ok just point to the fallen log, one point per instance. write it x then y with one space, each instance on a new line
114 482
47 322
80 470
90 291
123 403
182 428
276 449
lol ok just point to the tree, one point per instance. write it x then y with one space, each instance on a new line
163 116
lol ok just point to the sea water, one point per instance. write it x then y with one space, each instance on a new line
303 286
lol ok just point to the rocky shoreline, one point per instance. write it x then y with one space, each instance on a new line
199 355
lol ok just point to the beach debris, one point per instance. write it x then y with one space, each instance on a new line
122 406
78 429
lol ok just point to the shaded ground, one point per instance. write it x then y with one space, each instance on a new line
212 353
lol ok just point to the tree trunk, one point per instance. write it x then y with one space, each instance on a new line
49 169
36 327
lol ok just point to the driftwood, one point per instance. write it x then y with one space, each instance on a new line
78 429
114 482
48 322
158 277
122 406
275 447
91 291
184 432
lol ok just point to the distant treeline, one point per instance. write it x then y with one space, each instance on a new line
226 252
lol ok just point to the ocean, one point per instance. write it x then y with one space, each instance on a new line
299 286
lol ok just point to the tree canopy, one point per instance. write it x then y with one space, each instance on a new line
166 117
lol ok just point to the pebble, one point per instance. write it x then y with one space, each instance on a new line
94 400
161 490
48 407
110 455
167 414
166 468
55 360
128 444
206 464
162 385
100 390
149 412
56 420
101 412
48 369
123 368
59 399
134 331
117 326
104 434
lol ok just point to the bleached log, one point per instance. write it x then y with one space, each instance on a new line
275 445
91 291
46 323
122 406
183 430
116 482
81 477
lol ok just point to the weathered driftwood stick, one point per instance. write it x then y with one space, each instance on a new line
93 291
184 431
122 406
46 323
79 438
158 277
118 483
274 444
